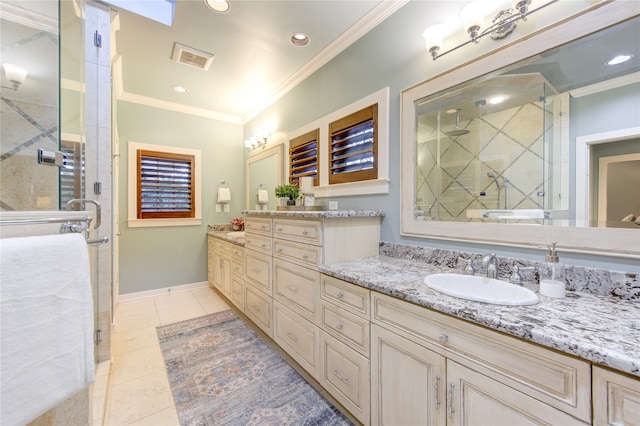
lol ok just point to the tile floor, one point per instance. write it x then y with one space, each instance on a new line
138 389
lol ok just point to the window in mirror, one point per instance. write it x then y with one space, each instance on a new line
72 174
165 185
353 147
303 157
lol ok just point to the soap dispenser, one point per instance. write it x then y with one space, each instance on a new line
552 275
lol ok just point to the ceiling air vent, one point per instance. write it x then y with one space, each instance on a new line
193 57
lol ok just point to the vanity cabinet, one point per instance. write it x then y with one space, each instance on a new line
237 276
258 264
488 375
616 398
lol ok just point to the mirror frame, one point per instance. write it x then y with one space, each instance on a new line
603 241
277 150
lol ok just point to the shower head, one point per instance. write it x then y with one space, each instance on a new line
457 131
495 179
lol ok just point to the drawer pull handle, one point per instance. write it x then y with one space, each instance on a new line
279 250
340 295
340 326
450 409
292 337
343 379
292 288
443 338
305 256
437 391
263 227
280 229
263 245
305 232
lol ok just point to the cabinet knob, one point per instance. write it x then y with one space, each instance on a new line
292 288
340 326
305 256
279 250
280 229
305 232
443 338
292 337
340 295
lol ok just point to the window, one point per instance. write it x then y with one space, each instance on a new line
353 147
303 157
165 185
72 177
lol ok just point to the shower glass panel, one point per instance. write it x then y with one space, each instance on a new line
482 152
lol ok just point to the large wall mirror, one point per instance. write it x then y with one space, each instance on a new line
538 142
265 171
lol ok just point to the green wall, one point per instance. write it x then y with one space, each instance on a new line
159 257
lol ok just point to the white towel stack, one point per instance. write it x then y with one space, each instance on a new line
224 195
263 196
47 324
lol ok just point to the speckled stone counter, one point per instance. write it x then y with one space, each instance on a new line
601 329
222 232
315 214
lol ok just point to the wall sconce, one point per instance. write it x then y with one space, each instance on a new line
473 18
255 142
15 74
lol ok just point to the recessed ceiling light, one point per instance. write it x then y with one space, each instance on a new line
179 89
217 5
619 59
496 100
300 39
451 111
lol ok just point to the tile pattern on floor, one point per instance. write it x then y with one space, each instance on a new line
139 392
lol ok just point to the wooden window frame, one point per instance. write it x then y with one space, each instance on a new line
342 125
294 147
167 214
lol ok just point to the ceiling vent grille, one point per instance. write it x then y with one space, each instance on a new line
189 56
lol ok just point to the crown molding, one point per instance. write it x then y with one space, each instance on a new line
32 19
353 34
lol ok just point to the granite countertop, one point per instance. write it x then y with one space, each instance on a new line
315 214
600 329
224 235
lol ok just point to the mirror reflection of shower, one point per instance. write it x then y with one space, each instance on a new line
504 186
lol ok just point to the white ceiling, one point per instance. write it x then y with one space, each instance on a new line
254 63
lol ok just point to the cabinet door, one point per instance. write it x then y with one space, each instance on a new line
476 399
616 398
407 382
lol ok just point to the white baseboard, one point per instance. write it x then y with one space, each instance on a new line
161 291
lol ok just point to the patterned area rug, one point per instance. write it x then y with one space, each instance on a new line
222 373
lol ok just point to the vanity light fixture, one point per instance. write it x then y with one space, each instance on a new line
217 5
255 142
620 59
473 19
15 74
299 39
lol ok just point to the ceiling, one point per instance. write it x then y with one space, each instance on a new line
255 61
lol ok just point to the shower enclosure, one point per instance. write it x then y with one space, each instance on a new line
53 147
482 151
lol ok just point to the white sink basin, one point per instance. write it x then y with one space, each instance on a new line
236 234
481 289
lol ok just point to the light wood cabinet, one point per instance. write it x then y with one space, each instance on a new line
616 398
407 381
259 308
298 337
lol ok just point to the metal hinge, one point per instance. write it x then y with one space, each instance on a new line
98 336
97 39
97 188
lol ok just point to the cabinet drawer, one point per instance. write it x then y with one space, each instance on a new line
345 375
258 308
222 247
258 225
302 254
237 292
345 295
237 252
559 380
298 288
298 337
237 267
303 231
258 270
258 242
346 327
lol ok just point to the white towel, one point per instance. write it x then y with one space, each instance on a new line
263 196
47 324
224 195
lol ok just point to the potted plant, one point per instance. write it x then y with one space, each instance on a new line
288 194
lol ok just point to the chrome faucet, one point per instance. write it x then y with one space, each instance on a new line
490 261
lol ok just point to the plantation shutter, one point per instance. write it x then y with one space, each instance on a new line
353 147
303 157
72 173
165 185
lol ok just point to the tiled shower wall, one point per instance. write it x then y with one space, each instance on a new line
509 144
